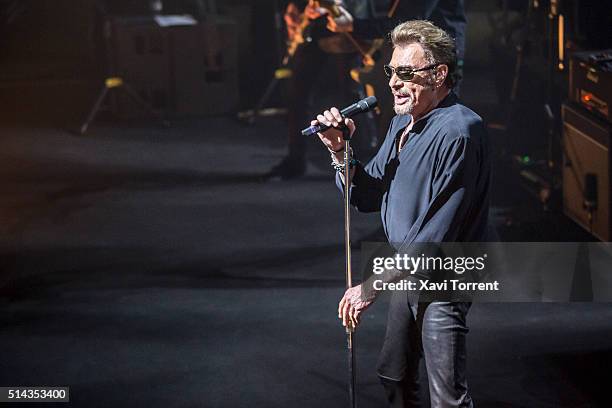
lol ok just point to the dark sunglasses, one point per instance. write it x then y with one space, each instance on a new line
405 73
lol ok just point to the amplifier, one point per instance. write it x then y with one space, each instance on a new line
591 81
182 70
586 170
139 51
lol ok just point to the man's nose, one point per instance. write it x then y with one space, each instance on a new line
394 81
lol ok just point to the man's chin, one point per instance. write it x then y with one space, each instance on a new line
405 109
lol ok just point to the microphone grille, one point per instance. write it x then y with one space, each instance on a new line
369 102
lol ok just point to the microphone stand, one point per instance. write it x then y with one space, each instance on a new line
350 335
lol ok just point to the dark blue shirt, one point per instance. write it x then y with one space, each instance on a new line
437 188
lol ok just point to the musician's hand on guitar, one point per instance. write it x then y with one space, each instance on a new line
313 10
332 137
341 24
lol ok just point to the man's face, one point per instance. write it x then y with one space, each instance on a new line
417 96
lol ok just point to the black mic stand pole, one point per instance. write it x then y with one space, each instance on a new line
350 335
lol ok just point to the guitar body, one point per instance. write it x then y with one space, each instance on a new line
341 44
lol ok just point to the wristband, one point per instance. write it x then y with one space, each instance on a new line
340 166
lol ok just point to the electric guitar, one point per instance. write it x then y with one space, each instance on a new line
298 33
297 36
339 43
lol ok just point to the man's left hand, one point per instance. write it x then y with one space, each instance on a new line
352 305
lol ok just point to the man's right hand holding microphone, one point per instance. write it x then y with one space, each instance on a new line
332 138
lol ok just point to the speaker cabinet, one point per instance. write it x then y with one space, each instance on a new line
586 170
140 52
182 70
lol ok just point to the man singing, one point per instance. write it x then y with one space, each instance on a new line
430 182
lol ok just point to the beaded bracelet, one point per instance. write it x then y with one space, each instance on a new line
340 166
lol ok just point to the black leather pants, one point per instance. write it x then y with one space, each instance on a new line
438 334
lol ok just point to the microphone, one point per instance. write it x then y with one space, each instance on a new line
361 106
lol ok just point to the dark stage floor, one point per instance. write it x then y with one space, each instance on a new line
148 267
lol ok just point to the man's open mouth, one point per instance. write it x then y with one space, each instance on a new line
401 99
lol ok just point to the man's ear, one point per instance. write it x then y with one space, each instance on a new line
441 74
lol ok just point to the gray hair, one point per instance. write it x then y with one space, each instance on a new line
439 47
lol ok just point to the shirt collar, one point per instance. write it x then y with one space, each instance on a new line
448 100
